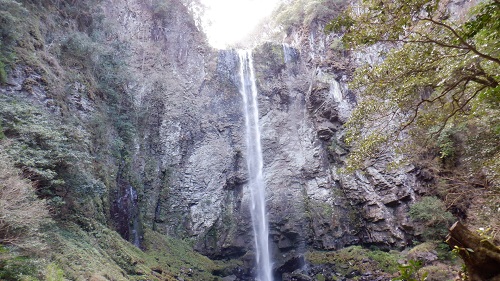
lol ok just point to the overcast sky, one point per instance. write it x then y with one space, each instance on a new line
231 20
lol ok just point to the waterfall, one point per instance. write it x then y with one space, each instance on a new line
290 54
287 53
254 164
335 91
134 211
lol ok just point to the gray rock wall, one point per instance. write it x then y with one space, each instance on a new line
193 133
188 154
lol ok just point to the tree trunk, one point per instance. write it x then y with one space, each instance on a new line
481 257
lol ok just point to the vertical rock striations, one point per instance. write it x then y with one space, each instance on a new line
185 171
190 146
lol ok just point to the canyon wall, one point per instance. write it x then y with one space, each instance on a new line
186 176
193 132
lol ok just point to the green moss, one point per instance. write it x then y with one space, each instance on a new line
423 247
178 256
268 60
437 273
386 260
99 252
320 277
327 210
356 258
3 73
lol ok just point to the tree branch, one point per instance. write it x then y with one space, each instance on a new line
462 40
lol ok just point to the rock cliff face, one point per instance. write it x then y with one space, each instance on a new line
303 103
188 155
193 130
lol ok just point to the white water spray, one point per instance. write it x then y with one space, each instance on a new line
254 163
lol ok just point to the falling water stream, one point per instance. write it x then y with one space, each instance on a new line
254 163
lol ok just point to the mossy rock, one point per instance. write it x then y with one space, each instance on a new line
356 260
438 272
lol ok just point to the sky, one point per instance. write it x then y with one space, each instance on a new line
228 21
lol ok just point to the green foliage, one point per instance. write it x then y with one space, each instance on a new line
342 23
78 50
410 272
48 151
11 13
446 145
2 135
105 72
320 277
437 71
54 273
386 260
22 214
51 152
3 73
433 219
299 13
17 268
102 254
444 252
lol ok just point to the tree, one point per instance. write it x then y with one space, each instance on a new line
440 70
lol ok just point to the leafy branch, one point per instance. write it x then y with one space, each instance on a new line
435 73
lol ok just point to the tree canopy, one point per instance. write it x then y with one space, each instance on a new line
440 71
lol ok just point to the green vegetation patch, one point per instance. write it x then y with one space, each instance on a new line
177 256
11 30
431 217
356 258
101 253
48 151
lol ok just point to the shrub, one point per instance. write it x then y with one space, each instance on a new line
387 261
17 268
431 217
22 214
40 147
10 31
53 154
161 9
302 12
78 50
54 273
437 273
410 272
